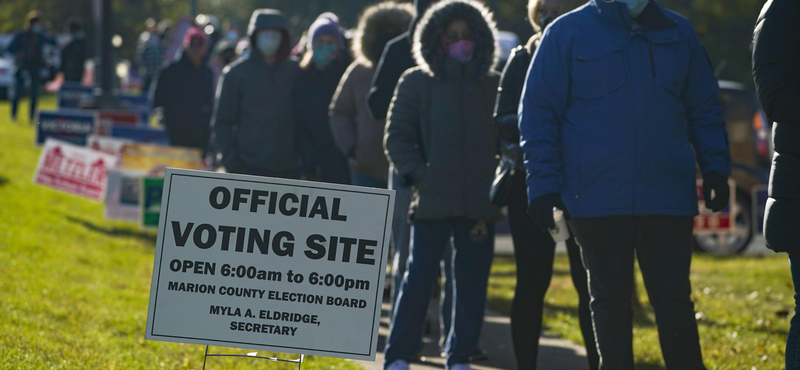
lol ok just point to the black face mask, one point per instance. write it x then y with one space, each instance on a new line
544 20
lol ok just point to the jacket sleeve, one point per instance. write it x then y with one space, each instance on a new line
225 115
383 84
703 111
509 93
343 112
541 112
160 89
776 61
402 137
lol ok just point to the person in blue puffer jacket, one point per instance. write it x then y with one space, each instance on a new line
620 101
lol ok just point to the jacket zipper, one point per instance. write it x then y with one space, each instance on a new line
652 60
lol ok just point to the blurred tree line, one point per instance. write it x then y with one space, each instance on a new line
724 27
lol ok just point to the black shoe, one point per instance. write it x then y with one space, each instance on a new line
478 355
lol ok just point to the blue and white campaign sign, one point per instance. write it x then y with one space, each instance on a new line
269 264
138 103
141 134
70 125
74 95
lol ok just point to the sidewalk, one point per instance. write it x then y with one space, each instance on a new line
554 354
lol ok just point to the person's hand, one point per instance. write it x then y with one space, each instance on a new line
719 184
541 210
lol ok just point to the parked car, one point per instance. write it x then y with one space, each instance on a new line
749 135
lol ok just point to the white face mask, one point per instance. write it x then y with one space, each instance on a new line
268 42
636 7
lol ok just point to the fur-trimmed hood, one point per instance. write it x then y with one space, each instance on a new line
379 24
427 48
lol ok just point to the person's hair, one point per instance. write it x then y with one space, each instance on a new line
33 16
533 12
305 62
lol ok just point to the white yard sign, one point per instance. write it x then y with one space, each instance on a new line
270 264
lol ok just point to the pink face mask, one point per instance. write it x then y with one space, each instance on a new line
461 51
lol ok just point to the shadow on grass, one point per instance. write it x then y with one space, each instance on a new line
146 237
4 180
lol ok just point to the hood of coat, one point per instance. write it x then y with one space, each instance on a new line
420 6
270 18
379 24
427 48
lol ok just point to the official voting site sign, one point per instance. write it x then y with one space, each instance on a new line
270 264
150 202
69 125
73 169
74 95
708 222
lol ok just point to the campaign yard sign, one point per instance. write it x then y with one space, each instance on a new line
74 95
723 222
140 134
144 157
73 169
106 144
270 264
150 202
122 195
72 126
137 103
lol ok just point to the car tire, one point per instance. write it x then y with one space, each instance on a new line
744 221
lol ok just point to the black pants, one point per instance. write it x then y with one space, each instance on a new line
663 246
534 250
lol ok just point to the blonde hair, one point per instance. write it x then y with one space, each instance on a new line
533 10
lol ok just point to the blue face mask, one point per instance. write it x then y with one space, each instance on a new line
324 54
636 7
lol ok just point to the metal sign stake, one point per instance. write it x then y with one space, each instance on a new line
299 361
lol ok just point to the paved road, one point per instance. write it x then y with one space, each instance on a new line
555 354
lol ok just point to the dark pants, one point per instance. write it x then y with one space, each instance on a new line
663 246
534 251
19 87
401 239
472 260
793 342
237 167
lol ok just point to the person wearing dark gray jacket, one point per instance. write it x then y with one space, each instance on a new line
441 139
253 121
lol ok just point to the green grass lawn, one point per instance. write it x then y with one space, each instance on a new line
743 306
74 287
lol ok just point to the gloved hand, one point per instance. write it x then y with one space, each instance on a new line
541 210
718 183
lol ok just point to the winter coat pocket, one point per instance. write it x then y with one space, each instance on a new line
598 70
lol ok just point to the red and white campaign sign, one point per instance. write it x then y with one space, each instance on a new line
73 169
708 222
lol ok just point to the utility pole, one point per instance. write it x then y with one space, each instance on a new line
105 19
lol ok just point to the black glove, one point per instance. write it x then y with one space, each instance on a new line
722 193
541 210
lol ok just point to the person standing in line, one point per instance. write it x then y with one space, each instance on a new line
357 135
395 60
149 55
27 47
185 90
619 102
252 122
776 71
441 140
73 56
322 66
534 248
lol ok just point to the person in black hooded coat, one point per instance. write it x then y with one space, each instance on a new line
532 245
776 69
